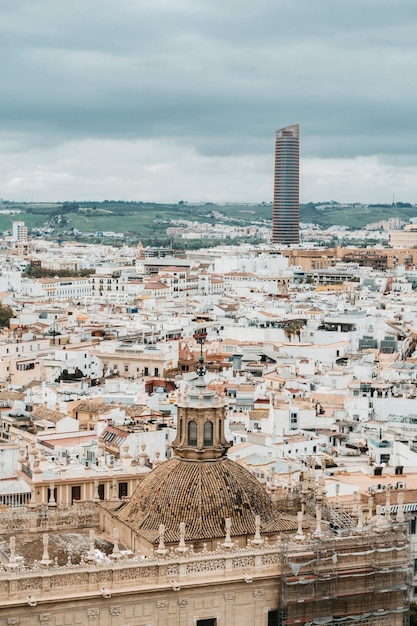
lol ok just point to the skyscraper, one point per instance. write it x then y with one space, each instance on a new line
286 209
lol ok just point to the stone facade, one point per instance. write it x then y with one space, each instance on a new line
303 578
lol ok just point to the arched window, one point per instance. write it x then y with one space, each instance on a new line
192 433
180 429
220 430
208 434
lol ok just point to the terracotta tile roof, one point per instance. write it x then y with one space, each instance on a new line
259 414
42 412
93 407
202 495
12 395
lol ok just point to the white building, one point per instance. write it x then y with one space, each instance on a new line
19 232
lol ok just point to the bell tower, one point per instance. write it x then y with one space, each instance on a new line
200 420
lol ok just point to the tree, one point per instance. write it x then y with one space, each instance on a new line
6 313
65 375
293 328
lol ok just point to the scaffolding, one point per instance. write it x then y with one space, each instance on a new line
347 578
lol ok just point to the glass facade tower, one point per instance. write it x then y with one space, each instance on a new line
286 208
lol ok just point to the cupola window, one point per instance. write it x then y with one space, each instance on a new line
208 434
192 433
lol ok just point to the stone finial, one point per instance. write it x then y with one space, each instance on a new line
382 521
13 562
126 454
355 497
143 457
52 501
317 532
116 554
157 459
337 490
321 489
91 554
289 476
181 545
388 502
360 518
161 547
299 536
114 494
96 495
228 543
257 540
36 466
400 511
370 508
45 556
272 474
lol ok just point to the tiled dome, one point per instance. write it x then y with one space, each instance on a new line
203 495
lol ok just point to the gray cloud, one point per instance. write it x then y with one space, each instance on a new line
217 76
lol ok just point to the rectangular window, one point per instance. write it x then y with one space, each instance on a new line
212 621
122 490
75 493
413 526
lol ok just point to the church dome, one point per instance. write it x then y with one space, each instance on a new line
202 495
200 486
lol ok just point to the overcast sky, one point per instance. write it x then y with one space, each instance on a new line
170 100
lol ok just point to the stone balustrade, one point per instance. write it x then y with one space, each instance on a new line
24 519
45 581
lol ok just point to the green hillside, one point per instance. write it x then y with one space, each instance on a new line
149 221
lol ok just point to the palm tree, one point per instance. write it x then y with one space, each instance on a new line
294 328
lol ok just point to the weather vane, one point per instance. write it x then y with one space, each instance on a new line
200 338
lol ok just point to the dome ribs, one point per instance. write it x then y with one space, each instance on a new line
202 495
